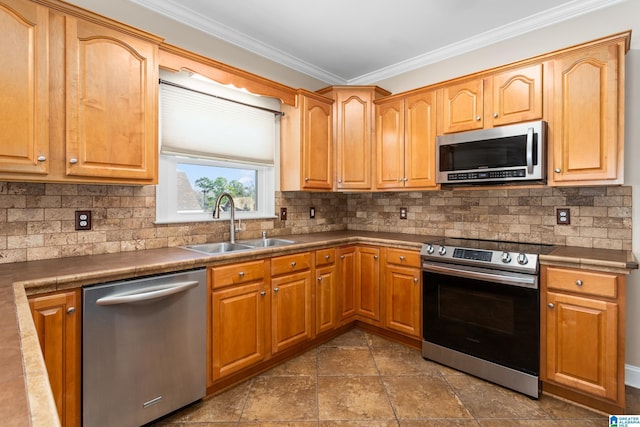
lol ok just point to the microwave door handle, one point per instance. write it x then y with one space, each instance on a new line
530 151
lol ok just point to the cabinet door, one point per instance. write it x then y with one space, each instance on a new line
581 344
368 287
317 170
111 104
390 144
420 140
516 96
354 130
326 318
290 310
461 106
347 284
402 299
587 131
57 321
24 85
238 328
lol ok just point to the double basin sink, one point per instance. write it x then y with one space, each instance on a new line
226 247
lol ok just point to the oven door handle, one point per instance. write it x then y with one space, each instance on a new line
530 151
525 281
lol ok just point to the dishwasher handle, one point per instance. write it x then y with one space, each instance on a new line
148 293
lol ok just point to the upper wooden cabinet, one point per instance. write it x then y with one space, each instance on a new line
101 125
405 141
354 130
24 84
306 144
111 103
511 96
587 127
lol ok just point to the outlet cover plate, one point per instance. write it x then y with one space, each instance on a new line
83 220
563 216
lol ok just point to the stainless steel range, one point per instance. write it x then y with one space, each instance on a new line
481 312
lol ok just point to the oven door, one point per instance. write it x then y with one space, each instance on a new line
487 314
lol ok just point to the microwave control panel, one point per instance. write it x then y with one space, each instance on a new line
492 174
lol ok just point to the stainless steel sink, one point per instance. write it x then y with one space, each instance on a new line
268 242
219 248
226 247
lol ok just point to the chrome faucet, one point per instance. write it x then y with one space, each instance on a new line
216 214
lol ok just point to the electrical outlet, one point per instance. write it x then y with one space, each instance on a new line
83 220
403 213
563 216
312 212
283 214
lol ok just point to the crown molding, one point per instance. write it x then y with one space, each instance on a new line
174 10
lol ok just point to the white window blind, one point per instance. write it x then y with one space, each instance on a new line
197 124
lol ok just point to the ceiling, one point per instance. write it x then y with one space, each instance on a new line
364 41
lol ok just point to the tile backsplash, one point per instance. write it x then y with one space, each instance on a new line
37 220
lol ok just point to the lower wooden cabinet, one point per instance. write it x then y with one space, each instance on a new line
582 336
403 292
346 305
291 321
367 305
57 318
325 291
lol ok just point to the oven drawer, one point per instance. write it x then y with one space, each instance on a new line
582 282
403 257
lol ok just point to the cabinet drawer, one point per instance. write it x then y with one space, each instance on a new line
403 257
584 282
325 257
237 273
290 263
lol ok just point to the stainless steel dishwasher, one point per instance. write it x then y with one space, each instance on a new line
143 348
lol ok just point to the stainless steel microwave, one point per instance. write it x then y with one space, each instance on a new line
507 153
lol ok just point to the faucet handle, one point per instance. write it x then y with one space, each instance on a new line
264 234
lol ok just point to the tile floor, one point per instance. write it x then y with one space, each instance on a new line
362 380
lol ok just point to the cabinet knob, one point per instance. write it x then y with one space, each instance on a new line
578 282
306 179
241 274
400 179
495 115
550 305
327 257
276 289
320 279
71 310
375 257
293 264
339 181
341 256
405 179
42 158
401 258
415 280
478 118
73 161
262 293
558 170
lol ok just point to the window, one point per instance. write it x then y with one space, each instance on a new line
210 145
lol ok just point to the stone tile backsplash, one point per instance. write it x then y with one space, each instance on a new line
37 220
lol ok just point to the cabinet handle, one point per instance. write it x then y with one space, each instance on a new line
375 257
415 280
558 170
495 115
306 179
327 257
478 118
405 179
578 282
276 289
550 305
320 279
262 293
293 264
339 181
71 310
401 258
73 161
400 179
241 274
341 256
42 158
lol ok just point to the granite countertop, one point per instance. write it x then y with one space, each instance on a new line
28 399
